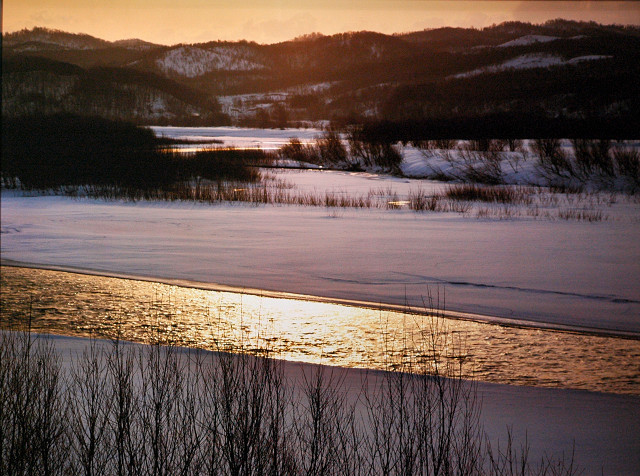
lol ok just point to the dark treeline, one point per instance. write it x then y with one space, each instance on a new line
501 126
38 85
60 150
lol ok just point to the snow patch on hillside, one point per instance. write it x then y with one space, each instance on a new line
530 61
36 46
579 59
192 61
528 40
239 105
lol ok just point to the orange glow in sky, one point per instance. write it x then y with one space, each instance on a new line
270 21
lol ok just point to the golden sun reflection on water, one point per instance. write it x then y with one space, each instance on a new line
141 311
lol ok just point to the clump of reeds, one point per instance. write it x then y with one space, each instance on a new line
493 194
581 215
420 201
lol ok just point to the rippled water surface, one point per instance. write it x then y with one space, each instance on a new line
86 305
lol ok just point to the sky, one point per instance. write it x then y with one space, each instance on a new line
270 21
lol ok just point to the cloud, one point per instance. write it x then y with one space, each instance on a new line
625 12
275 29
163 21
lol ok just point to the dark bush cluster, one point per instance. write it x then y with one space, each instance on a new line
331 150
68 150
499 125
59 150
296 150
222 164
328 149
374 151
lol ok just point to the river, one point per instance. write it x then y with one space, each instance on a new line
318 332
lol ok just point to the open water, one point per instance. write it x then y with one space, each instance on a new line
143 311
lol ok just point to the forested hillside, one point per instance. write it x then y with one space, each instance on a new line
560 69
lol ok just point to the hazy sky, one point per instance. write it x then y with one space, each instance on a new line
269 21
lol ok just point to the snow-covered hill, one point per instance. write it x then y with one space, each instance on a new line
192 61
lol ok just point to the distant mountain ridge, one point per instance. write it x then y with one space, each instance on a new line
47 36
557 68
59 38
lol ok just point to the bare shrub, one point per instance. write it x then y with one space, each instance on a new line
374 153
442 144
484 145
423 416
124 417
296 150
163 410
517 153
445 144
167 404
420 201
481 166
568 189
90 411
423 144
323 422
552 160
515 145
480 161
511 461
245 422
593 156
581 215
330 148
502 194
627 162
33 414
